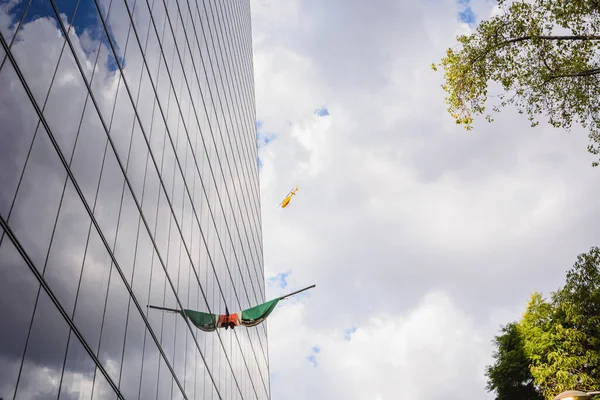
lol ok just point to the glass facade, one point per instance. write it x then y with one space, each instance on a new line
128 178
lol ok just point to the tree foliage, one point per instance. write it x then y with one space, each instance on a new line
545 55
510 376
555 346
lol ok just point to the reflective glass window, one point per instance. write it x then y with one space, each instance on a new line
18 293
39 39
118 23
65 104
78 373
150 362
150 198
38 199
108 202
133 352
105 78
138 159
144 261
126 241
45 352
19 121
145 104
180 345
102 389
121 122
113 325
197 241
89 155
89 308
65 258
165 381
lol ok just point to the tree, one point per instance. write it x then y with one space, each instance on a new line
559 360
555 346
510 376
545 56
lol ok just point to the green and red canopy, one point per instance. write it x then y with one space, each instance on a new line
249 317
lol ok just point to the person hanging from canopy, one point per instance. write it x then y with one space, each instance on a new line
288 198
248 318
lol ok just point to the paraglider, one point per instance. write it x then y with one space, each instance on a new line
288 198
248 318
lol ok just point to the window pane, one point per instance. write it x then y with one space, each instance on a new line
158 136
105 80
89 153
121 125
153 57
45 352
132 357
138 159
14 12
169 168
157 294
18 120
118 23
65 258
113 330
127 234
169 322
86 47
41 39
108 203
133 56
174 253
78 375
92 293
190 365
18 291
180 337
144 260
65 103
165 381
102 389
163 226
199 377
145 102
151 193
149 369
38 198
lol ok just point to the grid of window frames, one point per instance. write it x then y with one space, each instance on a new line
128 177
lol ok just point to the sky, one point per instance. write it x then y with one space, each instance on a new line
422 238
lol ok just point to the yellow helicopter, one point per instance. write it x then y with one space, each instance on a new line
288 198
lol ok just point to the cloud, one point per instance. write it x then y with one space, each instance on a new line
430 352
397 205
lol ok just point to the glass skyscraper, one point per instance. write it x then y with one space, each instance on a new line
128 178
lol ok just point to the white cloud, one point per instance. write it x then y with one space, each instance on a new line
426 353
396 202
